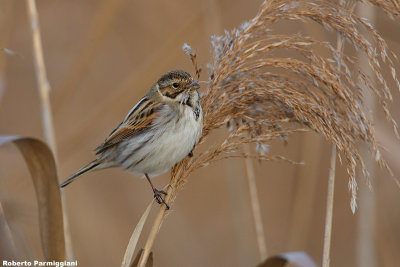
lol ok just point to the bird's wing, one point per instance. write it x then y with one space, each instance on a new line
140 118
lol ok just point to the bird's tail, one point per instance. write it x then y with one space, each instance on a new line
92 165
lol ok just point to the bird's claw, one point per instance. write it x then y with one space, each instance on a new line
158 195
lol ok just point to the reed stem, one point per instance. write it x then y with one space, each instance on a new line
41 76
366 230
156 227
255 206
329 209
44 92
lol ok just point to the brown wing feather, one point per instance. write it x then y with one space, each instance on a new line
136 122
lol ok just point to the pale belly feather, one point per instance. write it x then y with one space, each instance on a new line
158 150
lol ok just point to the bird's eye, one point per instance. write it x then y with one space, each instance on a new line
175 85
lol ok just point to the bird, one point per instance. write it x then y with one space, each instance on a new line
159 131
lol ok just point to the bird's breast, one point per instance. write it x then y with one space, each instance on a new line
170 141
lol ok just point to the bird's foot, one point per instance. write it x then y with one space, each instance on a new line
158 195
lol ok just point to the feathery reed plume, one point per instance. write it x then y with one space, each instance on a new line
193 57
262 96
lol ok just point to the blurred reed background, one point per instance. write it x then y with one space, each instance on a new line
101 58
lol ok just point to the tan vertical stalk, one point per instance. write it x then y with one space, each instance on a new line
255 205
329 209
366 250
331 187
41 76
44 92
332 169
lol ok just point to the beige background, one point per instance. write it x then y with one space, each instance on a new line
101 58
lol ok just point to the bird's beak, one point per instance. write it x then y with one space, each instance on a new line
194 85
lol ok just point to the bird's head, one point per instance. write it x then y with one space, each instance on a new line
176 85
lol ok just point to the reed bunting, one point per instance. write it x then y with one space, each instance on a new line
158 132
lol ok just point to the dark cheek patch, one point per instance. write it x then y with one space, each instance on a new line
173 95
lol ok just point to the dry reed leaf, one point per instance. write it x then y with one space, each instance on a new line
126 262
298 259
41 165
